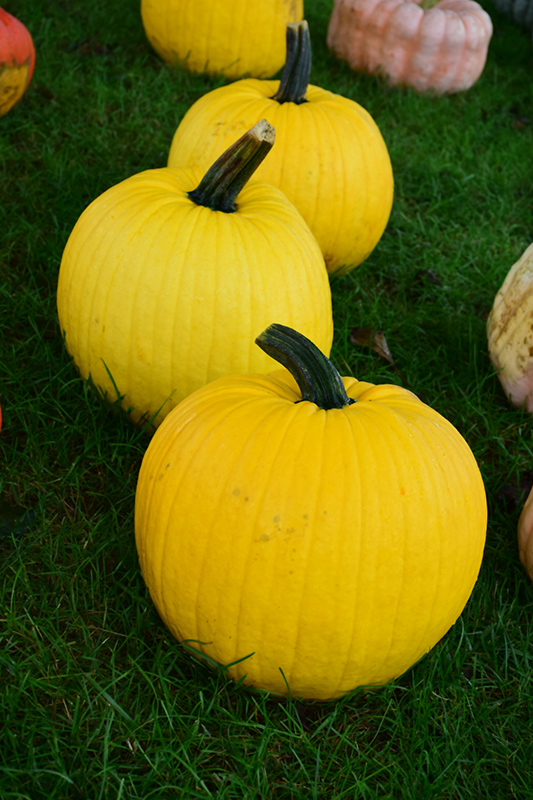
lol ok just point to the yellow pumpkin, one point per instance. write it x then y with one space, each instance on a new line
313 533
330 159
163 286
241 37
427 44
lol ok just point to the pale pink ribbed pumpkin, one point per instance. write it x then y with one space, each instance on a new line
439 46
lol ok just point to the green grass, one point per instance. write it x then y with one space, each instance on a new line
97 699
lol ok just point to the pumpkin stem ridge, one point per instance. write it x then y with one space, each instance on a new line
223 181
320 383
297 70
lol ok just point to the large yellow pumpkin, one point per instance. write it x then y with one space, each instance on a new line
232 37
330 158
167 278
316 534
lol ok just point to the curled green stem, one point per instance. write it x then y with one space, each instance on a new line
317 378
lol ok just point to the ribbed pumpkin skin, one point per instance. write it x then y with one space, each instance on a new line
17 60
443 48
337 546
330 160
169 295
241 37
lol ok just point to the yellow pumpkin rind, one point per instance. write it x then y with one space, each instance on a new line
157 296
231 38
14 81
330 160
337 565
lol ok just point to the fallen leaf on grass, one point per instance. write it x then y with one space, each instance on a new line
368 337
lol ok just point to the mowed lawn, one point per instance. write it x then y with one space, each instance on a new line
97 698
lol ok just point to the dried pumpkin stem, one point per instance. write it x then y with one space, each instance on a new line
427 4
221 184
297 70
319 381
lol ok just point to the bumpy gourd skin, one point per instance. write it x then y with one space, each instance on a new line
330 160
157 295
441 47
333 547
232 37
510 332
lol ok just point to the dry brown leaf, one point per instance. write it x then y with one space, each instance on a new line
368 337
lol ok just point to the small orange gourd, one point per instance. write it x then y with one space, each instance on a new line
17 60
427 44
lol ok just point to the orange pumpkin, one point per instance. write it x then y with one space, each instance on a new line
17 60
425 44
